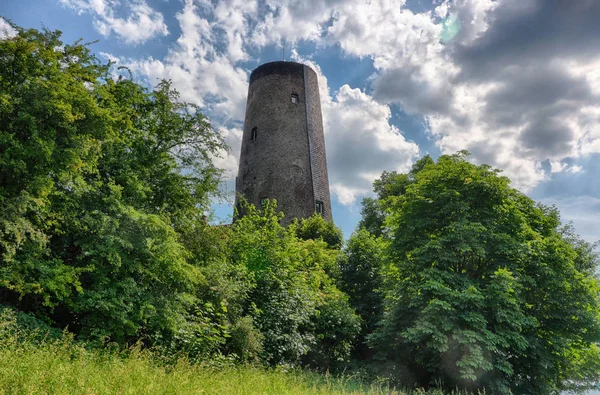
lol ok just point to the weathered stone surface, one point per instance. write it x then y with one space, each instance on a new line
286 159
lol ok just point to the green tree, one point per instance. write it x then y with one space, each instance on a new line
99 180
294 303
317 228
484 289
361 278
390 184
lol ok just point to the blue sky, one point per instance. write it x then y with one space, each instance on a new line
516 82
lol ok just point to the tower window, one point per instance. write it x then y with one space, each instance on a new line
295 99
319 207
253 133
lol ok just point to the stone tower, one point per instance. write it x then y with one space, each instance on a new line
283 146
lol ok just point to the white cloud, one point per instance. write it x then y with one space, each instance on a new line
513 112
293 20
513 98
199 71
360 141
557 166
232 18
473 17
141 24
6 30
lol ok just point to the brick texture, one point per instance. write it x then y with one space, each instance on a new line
287 159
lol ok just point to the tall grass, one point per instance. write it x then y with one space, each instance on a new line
32 364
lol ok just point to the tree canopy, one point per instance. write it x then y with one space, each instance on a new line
93 191
483 287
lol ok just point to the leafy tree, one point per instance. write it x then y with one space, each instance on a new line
484 289
293 301
99 180
372 216
390 184
317 228
336 326
361 278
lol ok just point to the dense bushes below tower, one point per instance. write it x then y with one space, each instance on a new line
453 279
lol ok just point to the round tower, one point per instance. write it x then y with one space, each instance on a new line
283 146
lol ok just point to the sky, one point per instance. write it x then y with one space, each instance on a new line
515 82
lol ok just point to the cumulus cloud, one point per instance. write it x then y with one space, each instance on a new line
532 32
141 23
413 69
525 57
293 20
361 143
575 169
6 30
516 82
203 74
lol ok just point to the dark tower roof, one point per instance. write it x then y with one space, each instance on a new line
278 67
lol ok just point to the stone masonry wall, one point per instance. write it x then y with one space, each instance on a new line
286 161
316 141
276 164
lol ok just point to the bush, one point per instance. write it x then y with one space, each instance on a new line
317 228
291 290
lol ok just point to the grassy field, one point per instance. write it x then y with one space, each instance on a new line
66 368
29 365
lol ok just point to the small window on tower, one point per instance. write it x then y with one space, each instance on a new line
319 207
295 98
263 202
253 133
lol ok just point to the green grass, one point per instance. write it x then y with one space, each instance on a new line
67 368
30 365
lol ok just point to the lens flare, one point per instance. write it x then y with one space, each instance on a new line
450 28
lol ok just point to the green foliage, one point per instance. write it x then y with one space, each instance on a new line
317 228
292 299
94 195
246 341
200 337
336 326
65 367
15 323
390 184
483 290
372 216
361 278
